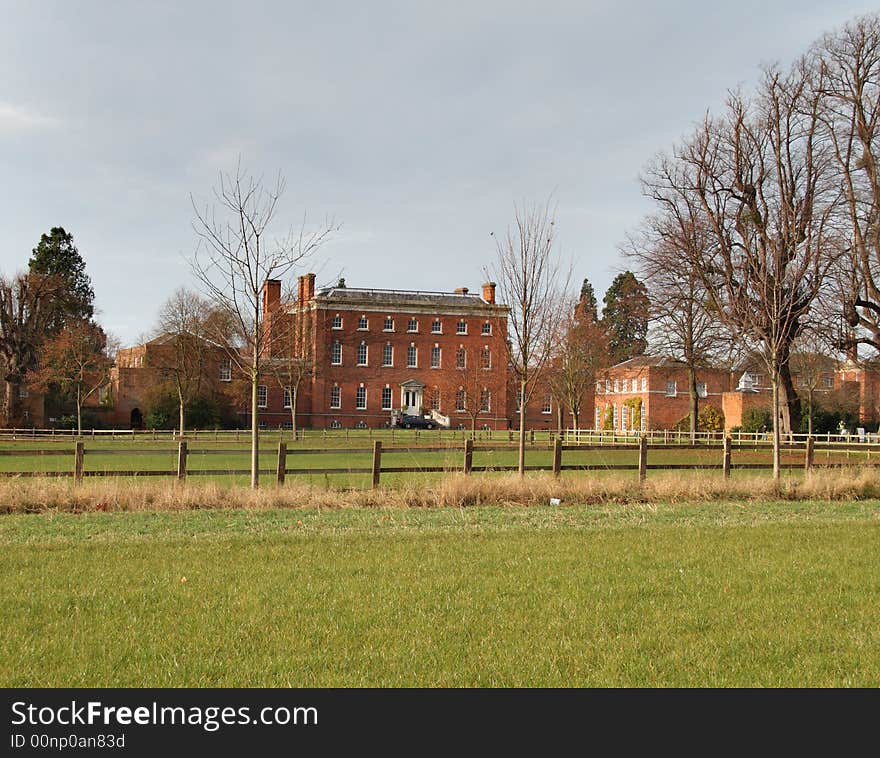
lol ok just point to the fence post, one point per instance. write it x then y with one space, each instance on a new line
725 465
557 456
643 459
468 455
282 463
181 460
808 460
78 455
377 462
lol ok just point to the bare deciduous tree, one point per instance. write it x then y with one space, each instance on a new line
532 284
473 385
184 355
685 326
233 260
26 306
758 180
849 62
581 350
78 360
813 364
291 360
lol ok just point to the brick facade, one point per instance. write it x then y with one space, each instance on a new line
138 371
416 351
651 392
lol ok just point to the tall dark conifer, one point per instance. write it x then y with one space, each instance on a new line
57 256
625 317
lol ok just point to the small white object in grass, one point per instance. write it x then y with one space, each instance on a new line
555 501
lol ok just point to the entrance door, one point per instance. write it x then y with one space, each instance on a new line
412 402
137 419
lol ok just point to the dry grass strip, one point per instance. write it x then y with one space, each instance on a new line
34 495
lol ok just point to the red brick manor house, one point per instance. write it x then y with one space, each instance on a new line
375 353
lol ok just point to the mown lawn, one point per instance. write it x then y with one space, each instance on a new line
746 594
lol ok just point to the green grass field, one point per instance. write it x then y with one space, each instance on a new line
653 594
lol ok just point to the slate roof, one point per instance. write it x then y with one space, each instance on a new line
400 297
660 361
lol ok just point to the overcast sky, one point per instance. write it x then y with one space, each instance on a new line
417 126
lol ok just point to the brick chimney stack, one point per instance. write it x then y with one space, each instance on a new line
852 353
489 292
271 295
305 287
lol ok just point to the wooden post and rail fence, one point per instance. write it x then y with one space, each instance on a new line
556 447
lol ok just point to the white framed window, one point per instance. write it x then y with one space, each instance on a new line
262 396
287 397
226 370
598 387
461 327
363 324
607 385
828 382
334 424
486 329
486 358
386 398
460 400
412 357
702 390
388 354
389 324
435 356
547 405
635 385
671 388
436 326
360 398
435 399
615 417
644 384
336 396
360 425
362 354
412 325
485 400
643 421
617 385
598 418
337 321
23 391
336 353
460 358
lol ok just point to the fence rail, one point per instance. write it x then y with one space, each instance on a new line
300 435
286 459
602 437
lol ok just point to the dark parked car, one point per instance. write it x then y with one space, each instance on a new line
416 422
